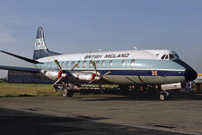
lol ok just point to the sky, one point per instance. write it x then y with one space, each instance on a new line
79 26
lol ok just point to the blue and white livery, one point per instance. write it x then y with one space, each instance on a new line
129 67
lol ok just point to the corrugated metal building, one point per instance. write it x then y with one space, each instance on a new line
25 77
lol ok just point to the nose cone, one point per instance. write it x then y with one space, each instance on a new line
190 74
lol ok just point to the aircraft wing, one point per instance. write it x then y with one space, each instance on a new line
21 57
32 70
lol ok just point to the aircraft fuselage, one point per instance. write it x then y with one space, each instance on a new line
126 67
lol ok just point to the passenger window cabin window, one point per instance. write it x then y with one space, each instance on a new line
72 64
123 63
97 63
78 64
111 63
84 64
90 64
103 63
66 65
132 63
62 64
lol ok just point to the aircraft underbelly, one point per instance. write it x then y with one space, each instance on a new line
162 79
138 80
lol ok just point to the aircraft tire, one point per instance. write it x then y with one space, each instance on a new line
65 92
70 93
162 96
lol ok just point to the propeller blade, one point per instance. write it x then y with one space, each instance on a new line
73 67
91 81
57 81
94 66
109 72
57 63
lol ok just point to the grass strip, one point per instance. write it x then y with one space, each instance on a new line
15 90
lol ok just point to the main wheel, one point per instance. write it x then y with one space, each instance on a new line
70 93
65 92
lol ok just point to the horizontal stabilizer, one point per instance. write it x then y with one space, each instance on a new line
23 58
33 70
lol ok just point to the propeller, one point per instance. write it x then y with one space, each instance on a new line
62 74
97 77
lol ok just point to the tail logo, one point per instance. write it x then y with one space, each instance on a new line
40 44
40 40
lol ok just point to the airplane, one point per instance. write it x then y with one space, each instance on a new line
128 67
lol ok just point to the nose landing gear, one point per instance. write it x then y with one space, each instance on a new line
164 95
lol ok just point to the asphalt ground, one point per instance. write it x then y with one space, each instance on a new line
100 114
13 122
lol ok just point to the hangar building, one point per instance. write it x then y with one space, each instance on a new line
25 77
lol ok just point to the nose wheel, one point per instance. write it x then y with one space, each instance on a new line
164 95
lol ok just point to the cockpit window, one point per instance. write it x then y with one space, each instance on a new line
163 57
176 56
171 56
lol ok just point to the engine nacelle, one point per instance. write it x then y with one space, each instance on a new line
56 74
86 76
172 86
52 74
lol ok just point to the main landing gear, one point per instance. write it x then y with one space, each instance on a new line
67 89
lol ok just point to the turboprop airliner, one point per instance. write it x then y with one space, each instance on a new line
129 67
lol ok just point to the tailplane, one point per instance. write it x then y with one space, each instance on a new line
40 48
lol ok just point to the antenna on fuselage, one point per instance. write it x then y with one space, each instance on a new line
100 50
135 47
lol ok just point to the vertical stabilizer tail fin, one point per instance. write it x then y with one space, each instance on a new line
40 48
40 40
